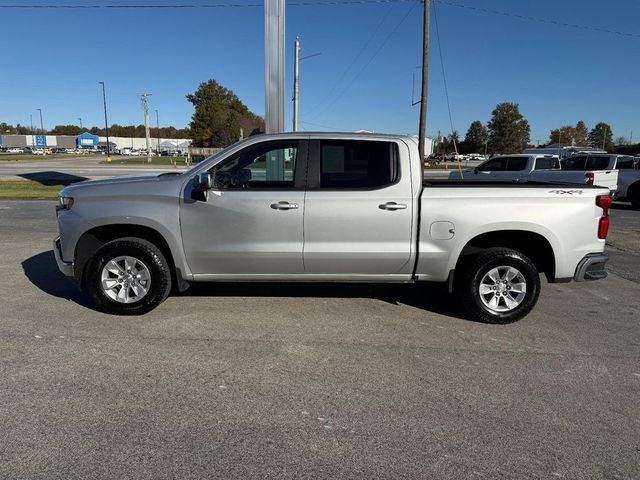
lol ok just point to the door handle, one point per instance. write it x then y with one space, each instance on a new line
284 206
392 206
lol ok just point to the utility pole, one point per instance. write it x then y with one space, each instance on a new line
425 78
106 122
296 82
157 133
145 106
274 26
31 124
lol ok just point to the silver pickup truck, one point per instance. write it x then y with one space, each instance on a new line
306 207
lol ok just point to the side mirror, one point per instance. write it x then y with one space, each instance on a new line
201 187
204 181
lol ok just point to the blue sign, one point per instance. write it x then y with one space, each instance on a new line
41 140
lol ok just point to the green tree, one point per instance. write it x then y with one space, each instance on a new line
219 115
508 130
601 136
564 136
476 138
581 134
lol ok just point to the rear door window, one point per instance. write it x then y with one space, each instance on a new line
517 164
574 163
546 163
626 163
357 164
494 165
597 163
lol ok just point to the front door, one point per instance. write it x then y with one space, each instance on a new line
252 221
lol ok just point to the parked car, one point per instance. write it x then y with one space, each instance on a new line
15 150
60 150
545 168
39 151
626 166
327 207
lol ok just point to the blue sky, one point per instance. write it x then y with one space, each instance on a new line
54 59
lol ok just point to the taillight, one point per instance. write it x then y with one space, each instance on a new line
604 202
589 176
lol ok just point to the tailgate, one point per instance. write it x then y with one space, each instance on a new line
606 178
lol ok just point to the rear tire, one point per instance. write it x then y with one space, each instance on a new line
499 286
128 276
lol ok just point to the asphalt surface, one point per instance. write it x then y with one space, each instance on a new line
313 381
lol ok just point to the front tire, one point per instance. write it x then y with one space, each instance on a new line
129 276
499 286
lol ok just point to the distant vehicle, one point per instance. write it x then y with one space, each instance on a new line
125 151
563 152
60 150
15 150
626 166
477 156
39 151
539 168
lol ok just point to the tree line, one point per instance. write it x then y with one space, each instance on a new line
115 130
508 132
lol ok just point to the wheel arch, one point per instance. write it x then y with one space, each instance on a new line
532 244
94 238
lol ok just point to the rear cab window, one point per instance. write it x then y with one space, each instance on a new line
626 163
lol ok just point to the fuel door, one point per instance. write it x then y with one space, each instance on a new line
442 230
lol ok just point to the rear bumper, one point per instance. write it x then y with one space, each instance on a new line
65 267
591 267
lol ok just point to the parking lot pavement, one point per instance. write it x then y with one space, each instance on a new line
311 381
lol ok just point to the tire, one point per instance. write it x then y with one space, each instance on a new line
501 302
147 285
635 202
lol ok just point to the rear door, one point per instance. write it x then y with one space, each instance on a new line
358 209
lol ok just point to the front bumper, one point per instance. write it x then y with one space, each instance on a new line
65 267
591 267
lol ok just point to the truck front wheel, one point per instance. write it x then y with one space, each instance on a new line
499 286
128 276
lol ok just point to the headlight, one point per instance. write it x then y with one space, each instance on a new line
64 203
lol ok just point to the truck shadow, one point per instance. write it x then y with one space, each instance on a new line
42 271
430 297
52 178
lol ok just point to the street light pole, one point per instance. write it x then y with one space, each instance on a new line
80 118
158 132
296 80
106 124
31 125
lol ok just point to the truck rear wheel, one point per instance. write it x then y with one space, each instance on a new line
499 286
129 276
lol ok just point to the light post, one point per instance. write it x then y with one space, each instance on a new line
44 138
158 133
106 124
80 118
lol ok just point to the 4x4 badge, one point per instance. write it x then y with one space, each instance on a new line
566 192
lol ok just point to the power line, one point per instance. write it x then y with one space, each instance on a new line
375 54
204 5
530 18
353 62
